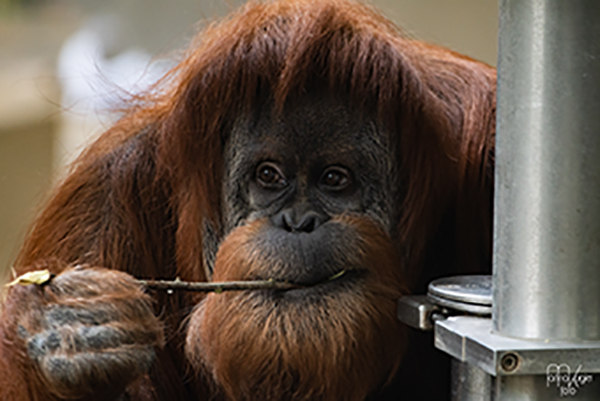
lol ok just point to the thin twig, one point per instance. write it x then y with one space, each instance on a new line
42 277
218 287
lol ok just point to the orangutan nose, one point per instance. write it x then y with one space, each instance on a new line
292 221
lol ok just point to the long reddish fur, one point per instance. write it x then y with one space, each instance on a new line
302 350
137 198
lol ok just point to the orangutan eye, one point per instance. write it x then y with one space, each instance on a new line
269 176
336 178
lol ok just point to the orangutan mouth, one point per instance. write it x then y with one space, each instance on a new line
337 280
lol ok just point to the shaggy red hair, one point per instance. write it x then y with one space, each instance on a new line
439 107
301 350
138 198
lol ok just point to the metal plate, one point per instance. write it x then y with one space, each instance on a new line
470 290
473 309
472 339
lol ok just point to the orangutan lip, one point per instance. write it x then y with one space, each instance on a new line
337 275
337 278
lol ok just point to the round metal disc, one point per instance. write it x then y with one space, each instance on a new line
473 290
472 309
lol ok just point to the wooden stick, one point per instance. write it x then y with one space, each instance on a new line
42 277
219 286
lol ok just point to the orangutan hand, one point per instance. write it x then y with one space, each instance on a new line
89 332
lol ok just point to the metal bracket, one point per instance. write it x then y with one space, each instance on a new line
418 311
445 297
471 339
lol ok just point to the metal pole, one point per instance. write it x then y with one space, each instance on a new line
547 222
547 218
469 383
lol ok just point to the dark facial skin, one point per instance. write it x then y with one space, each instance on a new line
308 198
318 159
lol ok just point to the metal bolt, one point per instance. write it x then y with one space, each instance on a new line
510 362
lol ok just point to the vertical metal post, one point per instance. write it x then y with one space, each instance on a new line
547 217
547 223
469 383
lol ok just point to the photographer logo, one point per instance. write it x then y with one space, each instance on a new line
567 381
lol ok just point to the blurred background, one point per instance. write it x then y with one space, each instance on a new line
65 63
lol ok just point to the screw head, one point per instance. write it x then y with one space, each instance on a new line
510 362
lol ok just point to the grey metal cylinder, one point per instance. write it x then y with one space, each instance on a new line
547 199
469 383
